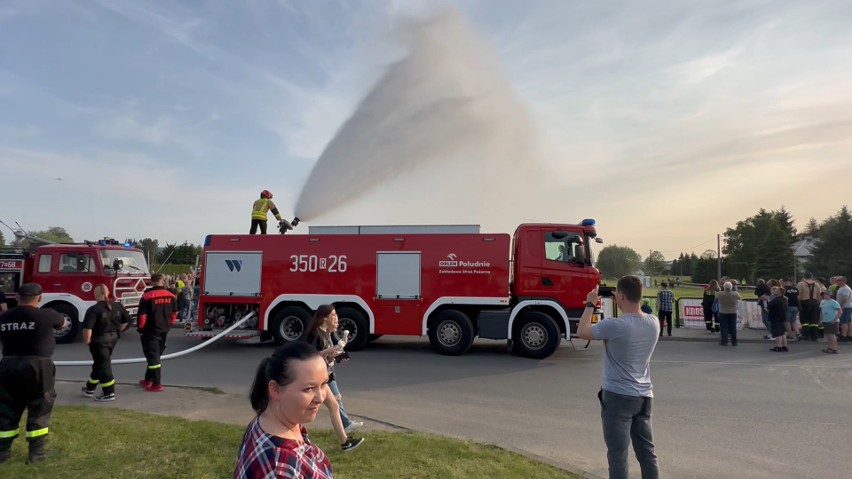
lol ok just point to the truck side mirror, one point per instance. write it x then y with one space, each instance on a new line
580 254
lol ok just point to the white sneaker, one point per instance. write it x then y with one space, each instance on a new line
353 426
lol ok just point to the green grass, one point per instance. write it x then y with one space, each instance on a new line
681 291
109 443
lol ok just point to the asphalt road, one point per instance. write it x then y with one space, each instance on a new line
718 412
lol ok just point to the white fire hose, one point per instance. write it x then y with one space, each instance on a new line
167 356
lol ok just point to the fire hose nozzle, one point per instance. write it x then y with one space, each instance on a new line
284 226
295 221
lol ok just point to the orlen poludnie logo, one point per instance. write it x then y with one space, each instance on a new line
452 263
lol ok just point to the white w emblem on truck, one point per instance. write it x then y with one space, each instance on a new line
234 264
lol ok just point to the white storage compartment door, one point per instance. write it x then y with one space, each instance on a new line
232 274
398 275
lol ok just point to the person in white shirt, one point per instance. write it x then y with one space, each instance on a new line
844 297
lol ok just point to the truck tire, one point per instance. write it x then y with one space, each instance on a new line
358 326
374 337
536 335
451 334
289 324
69 333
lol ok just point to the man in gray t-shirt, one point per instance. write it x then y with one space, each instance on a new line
626 391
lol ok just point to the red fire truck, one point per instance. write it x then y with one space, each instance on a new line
68 274
451 283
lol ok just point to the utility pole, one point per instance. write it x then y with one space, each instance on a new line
718 256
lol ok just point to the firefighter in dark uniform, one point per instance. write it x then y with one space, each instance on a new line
259 211
27 372
157 313
102 326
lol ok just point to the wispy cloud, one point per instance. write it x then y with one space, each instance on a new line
180 27
131 193
656 92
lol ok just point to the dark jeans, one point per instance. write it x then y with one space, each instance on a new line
255 223
626 419
728 323
665 316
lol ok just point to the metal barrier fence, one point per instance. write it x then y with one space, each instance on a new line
689 312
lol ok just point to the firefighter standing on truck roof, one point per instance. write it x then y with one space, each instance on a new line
102 325
259 212
27 372
157 313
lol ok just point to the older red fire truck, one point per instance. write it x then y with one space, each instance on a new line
451 283
68 274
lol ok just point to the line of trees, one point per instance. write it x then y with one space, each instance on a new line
170 253
760 246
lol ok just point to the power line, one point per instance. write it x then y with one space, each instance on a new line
690 248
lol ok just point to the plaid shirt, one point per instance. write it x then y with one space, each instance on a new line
264 456
665 299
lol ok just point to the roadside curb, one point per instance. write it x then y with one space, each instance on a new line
709 339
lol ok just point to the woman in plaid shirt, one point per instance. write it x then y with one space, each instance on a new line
288 390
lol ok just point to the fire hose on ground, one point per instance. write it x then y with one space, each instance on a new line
165 356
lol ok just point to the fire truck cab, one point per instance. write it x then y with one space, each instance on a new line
450 283
68 274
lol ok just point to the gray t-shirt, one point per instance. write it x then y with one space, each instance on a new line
629 342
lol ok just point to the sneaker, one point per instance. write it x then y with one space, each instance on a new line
87 393
106 397
353 426
351 444
155 388
145 383
784 349
769 338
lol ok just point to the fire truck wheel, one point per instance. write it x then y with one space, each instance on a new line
289 324
536 336
374 337
69 333
451 333
359 329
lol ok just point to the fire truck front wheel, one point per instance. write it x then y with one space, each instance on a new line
536 335
451 333
69 333
289 324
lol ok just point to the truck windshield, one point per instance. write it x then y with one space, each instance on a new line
134 261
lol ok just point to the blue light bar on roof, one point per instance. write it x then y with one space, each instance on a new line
587 222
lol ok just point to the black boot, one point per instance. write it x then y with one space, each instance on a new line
5 451
37 452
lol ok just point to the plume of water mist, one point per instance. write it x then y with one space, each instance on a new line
442 118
